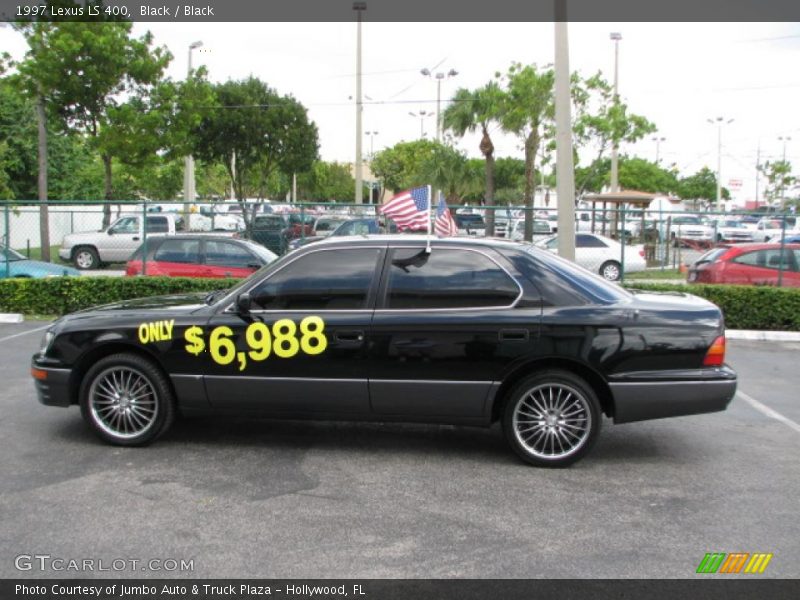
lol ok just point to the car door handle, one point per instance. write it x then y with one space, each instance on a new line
514 335
349 336
136 238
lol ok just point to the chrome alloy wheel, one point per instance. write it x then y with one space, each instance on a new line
123 402
552 421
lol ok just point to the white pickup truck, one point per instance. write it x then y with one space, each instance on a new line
90 249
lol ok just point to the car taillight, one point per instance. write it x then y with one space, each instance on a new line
641 252
715 357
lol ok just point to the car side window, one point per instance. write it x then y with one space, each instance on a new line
157 224
589 241
447 278
323 280
228 254
126 225
178 251
757 258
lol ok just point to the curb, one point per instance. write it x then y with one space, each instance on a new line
11 318
762 336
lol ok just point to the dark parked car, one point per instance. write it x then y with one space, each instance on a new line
364 226
268 230
749 264
199 256
376 328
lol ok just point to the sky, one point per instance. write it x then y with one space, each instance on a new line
678 75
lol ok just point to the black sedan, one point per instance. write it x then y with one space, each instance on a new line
378 328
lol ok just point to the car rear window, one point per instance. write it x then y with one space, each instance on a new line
447 278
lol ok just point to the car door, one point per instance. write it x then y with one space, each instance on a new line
224 258
443 332
302 348
121 239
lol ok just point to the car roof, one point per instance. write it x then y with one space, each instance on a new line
401 239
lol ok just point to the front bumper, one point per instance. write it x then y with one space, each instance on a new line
660 394
52 384
65 253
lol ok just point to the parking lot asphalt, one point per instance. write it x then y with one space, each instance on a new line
245 498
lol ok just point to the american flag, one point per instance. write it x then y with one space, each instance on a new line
445 225
409 209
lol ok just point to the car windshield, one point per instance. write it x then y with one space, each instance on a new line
711 256
10 255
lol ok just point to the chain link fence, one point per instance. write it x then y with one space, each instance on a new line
115 238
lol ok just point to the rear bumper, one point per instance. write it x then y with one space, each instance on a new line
657 395
52 385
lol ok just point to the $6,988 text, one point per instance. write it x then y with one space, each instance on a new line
281 340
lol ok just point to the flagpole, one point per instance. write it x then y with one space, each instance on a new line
430 205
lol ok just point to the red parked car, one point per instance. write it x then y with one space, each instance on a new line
748 264
200 256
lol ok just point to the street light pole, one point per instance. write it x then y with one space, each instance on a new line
439 77
359 7
720 121
371 135
616 37
188 161
658 141
422 114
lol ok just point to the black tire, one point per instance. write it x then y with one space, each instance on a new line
569 424
109 394
85 258
611 270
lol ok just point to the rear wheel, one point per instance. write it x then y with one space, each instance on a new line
552 419
127 400
85 258
611 270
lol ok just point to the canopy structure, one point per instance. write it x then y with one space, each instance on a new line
636 198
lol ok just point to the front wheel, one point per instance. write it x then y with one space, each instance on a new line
127 400
611 270
86 258
552 419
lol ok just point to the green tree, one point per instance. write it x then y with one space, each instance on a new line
473 109
326 182
5 189
403 165
269 134
98 80
700 186
779 178
602 121
527 109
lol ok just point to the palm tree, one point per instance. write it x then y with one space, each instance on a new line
470 110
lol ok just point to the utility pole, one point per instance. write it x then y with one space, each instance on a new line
44 215
616 37
188 161
359 7
720 121
565 173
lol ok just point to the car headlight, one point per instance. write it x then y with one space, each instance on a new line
47 341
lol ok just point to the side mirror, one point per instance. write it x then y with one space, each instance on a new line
110 232
243 303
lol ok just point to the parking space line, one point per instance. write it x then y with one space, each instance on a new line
763 408
10 337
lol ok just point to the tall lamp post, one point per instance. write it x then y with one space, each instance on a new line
188 161
719 121
615 37
658 141
359 7
439 77
421 114
371 135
